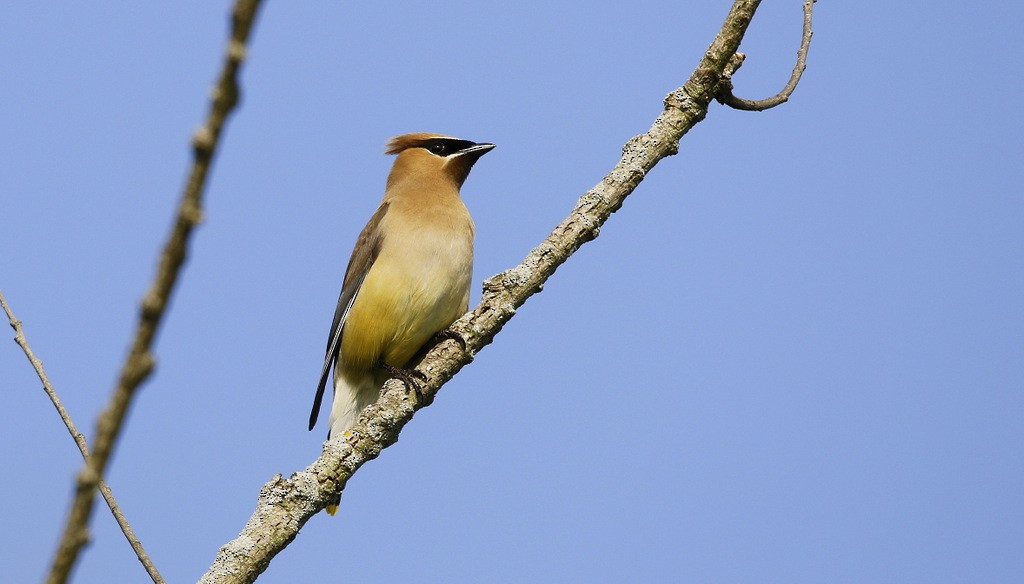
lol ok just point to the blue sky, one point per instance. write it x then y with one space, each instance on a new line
794 355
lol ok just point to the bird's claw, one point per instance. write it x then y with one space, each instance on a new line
450 334
408 377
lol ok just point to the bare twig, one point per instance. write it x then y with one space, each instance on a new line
37 364
140 361
108 495
726 96
285 505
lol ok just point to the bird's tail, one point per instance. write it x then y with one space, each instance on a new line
352 393
332 507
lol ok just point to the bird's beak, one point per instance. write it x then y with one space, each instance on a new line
476 151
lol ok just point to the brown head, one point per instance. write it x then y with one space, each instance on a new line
425 156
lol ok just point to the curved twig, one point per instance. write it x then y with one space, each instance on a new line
725 95
285 505
140 361
79 438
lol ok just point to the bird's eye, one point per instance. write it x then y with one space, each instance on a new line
439 148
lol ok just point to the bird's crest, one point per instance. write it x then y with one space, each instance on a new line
406 141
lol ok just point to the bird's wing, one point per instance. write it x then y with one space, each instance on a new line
363 256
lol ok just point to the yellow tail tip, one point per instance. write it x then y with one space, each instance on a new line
331 509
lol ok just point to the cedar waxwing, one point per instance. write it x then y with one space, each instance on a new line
408 277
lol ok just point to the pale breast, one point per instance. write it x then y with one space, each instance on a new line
417 286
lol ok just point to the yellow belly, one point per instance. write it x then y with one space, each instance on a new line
407 297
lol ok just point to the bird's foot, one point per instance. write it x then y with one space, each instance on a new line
410 377
449 334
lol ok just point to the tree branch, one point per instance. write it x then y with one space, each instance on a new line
285 505
726 96
140 361
79 438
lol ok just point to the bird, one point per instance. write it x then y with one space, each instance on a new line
408 277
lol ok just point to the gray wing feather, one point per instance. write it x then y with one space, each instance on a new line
366 251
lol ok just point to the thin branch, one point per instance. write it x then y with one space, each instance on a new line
140 361
726 96
285 505
37 364
108 495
